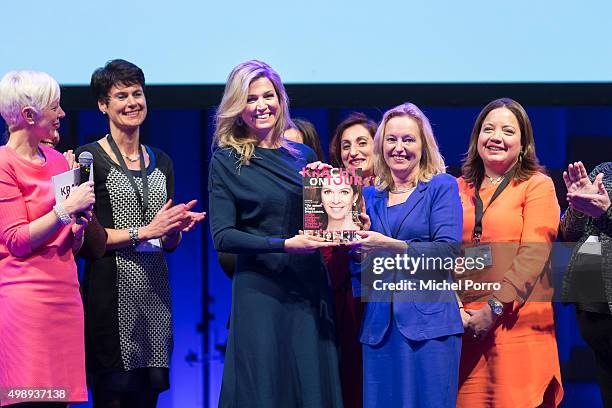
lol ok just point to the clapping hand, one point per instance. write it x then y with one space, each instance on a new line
592 203
577 180
71 159
171 219
194 218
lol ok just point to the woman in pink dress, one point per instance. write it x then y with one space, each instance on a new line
42 357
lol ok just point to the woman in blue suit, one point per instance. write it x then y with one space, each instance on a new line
411 339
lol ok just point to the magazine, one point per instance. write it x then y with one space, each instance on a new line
332 203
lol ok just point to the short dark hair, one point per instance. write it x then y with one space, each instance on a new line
355 118
117 71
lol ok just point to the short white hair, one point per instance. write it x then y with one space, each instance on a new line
20 89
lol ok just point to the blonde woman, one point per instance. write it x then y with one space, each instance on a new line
281 348
411 348
41 313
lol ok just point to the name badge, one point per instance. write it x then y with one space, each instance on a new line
591 246
152 245
481 251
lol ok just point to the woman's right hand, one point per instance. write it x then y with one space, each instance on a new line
306 244
577 179
81 198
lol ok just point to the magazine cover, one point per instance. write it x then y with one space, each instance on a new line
332 203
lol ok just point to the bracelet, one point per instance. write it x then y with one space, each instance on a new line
577 213
134 236
61 213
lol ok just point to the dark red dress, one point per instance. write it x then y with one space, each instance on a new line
348 311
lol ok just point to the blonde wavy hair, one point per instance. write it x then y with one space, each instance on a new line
230 130
431 163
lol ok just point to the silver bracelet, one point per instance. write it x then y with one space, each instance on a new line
61 213
134 236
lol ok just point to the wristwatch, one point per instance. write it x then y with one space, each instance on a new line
496 306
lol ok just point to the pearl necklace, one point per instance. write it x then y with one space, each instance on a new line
407 190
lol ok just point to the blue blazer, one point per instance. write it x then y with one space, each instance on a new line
433 214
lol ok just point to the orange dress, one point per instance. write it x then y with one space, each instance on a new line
516 365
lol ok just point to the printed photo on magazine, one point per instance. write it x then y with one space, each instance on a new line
332 203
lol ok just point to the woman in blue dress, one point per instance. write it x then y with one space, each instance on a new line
411 345
281 348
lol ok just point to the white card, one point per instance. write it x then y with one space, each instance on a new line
64 182
152 245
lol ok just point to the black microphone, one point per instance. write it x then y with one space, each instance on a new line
85 162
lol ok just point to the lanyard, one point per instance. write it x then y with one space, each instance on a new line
478 208
143 201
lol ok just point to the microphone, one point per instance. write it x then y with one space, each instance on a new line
85 161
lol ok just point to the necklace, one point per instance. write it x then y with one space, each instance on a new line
494 181
131 160
406 190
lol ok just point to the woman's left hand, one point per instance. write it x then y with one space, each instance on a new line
593 205
480 323
189 219
193 218
78 228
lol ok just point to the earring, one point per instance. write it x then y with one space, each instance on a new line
520 158
239 121
104 112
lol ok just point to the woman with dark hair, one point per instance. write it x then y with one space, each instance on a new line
302 131
588 281
126 292
351 145
510 216
281 347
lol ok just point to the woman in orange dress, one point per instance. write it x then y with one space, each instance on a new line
509 355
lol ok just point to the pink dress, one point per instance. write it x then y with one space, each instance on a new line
41 313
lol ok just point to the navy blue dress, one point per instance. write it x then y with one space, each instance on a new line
281 349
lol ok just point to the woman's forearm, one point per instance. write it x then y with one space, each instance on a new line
43 229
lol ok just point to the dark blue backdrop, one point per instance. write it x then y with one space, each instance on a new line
201 293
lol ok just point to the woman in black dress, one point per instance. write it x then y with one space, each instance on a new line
127 293
281 349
